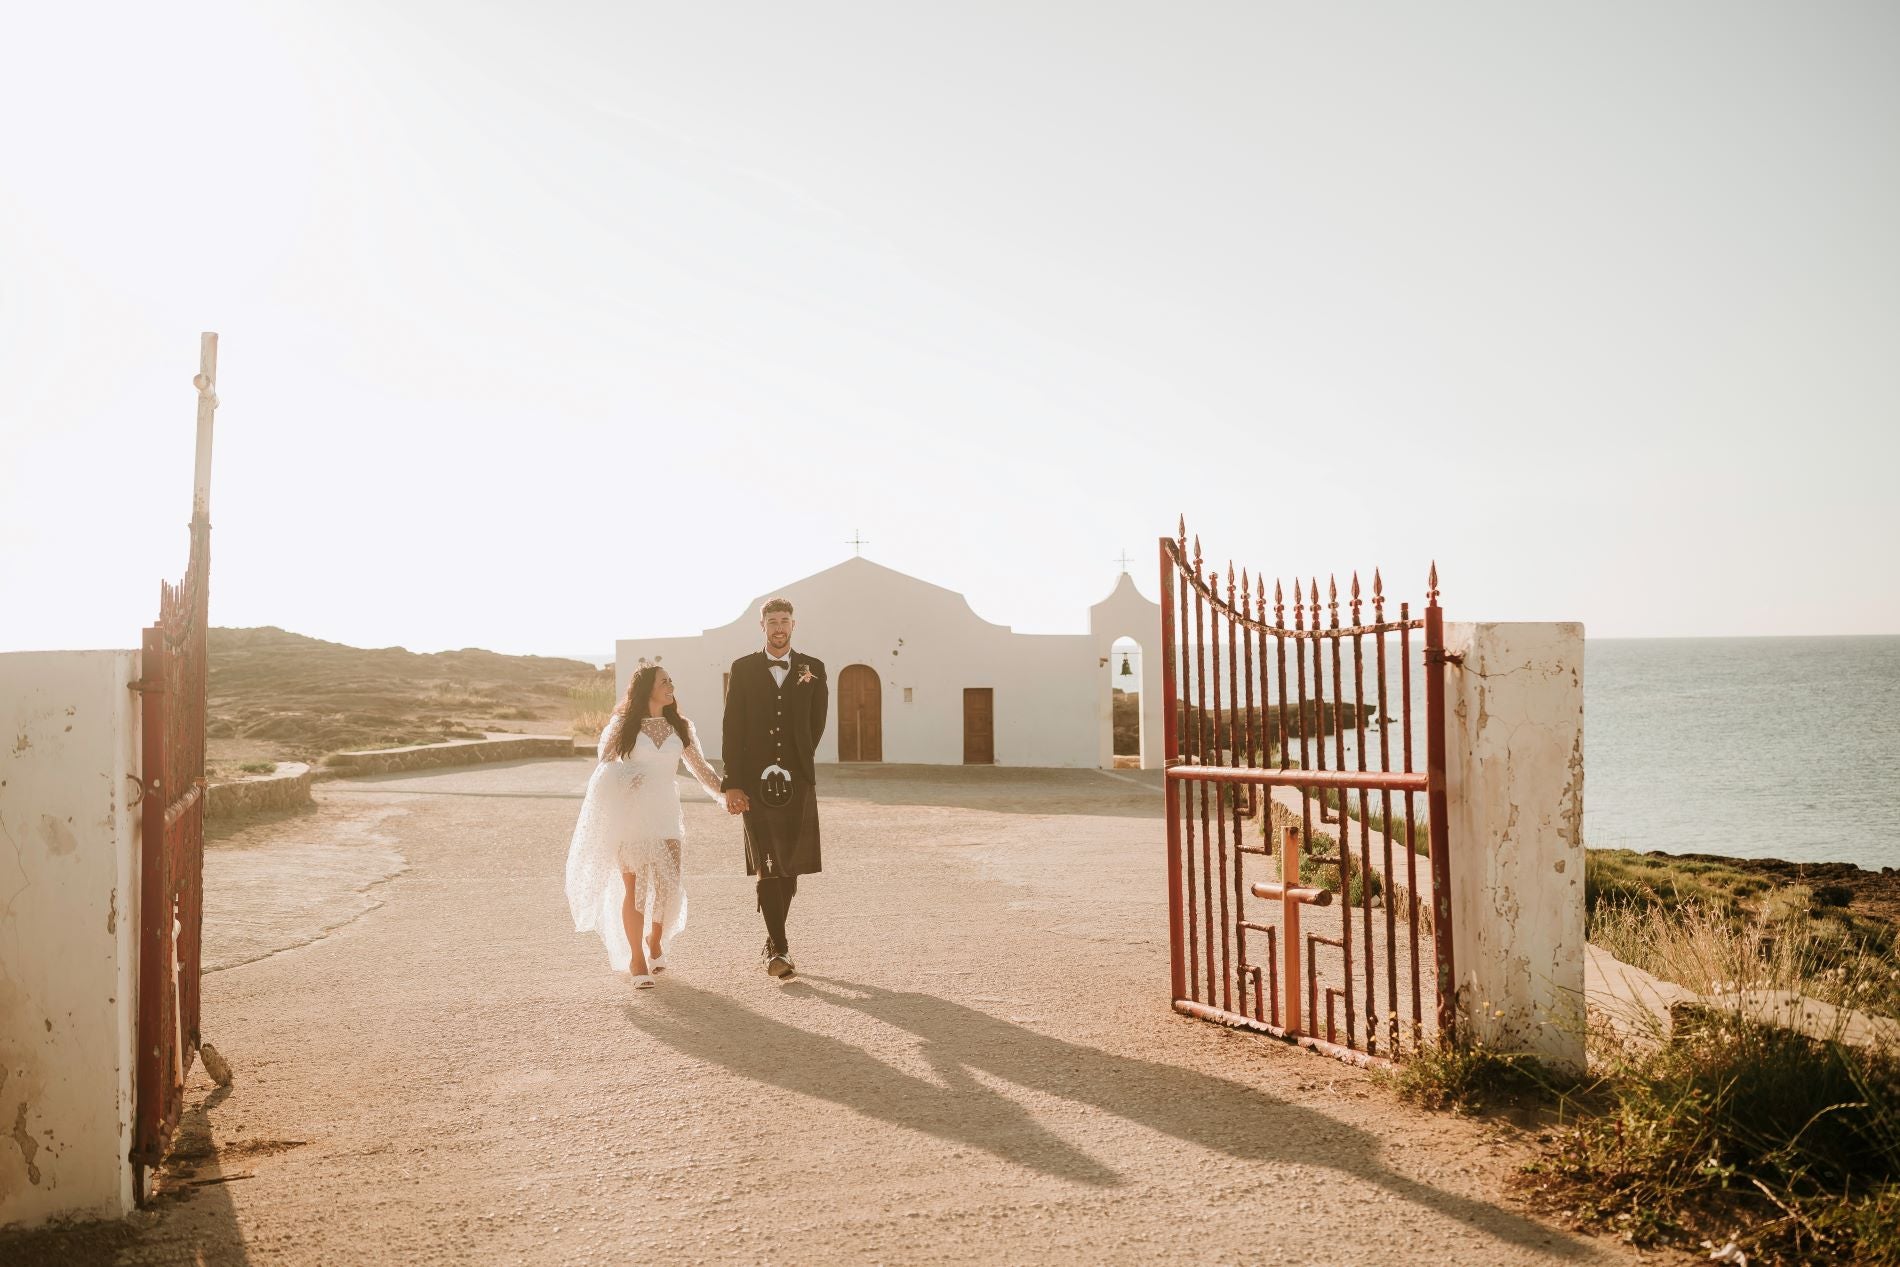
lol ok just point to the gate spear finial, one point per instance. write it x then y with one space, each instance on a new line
1299 608
1230 583
1332 597
1431 585
1246 595
1313 589
1181 536
1279 603
1197 554
1355 597
1378 598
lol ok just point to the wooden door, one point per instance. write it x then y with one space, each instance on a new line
860 714
979 725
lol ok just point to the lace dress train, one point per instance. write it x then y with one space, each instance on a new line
630 814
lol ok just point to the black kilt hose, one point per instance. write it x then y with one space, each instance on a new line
770 736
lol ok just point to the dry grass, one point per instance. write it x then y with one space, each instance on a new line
1734 1128
1724 1127
1681 918
593 701
1372 811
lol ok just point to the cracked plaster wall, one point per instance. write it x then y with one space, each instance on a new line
1514 774
68 882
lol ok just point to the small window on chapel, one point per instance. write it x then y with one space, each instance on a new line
907 691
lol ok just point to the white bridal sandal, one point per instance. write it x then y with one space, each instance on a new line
642 981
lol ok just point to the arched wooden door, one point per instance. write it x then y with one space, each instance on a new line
860 714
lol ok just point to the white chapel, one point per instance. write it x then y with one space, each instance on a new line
917 676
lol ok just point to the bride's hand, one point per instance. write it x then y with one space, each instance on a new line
736 802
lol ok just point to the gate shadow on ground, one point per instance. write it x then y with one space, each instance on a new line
190 1219
1238 1120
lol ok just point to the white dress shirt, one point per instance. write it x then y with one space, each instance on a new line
779 668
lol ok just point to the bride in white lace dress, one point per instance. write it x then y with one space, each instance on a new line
623 864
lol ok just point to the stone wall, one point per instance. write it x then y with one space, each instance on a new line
455 752
286 787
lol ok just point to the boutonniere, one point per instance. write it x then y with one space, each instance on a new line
804 674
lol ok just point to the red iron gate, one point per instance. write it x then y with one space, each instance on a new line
1249 707
171 881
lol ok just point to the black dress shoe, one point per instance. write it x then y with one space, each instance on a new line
780 966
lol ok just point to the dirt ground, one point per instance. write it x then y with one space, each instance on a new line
977 1063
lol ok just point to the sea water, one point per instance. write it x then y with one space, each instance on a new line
1753 747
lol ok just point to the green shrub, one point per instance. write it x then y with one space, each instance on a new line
1737 1128
1725 1125
1464 1077
1374 815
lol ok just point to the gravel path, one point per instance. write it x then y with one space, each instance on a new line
978 1063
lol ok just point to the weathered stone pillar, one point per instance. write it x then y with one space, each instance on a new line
69 917
1514 773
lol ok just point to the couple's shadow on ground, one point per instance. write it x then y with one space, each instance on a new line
960 1041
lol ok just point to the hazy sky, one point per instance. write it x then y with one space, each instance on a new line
548 324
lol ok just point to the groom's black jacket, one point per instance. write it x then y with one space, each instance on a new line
766 724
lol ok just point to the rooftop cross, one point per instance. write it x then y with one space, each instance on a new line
1124 560
857 542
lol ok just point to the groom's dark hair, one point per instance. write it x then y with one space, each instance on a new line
775 605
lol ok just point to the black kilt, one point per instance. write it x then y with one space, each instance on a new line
783 840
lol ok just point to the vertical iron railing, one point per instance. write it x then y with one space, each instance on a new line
1248 773
171 857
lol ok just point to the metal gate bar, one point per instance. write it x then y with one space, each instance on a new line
1242 720
171 690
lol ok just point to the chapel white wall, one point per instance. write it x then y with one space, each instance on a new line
1049 689
69 879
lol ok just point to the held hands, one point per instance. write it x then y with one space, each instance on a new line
737 802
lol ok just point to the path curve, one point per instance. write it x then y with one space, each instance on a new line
977 1065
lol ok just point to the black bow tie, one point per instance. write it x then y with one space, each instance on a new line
778 664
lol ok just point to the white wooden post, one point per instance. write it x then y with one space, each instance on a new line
206 381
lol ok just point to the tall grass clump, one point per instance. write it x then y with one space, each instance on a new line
1460 1077
1418 840
1693 918
1720 1124
592 700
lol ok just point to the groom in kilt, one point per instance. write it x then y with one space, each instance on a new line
775 716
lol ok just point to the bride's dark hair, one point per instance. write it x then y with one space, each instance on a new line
633 711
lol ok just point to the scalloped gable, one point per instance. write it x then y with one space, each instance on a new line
1125 591
859 580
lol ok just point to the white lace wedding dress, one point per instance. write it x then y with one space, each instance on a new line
631 812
